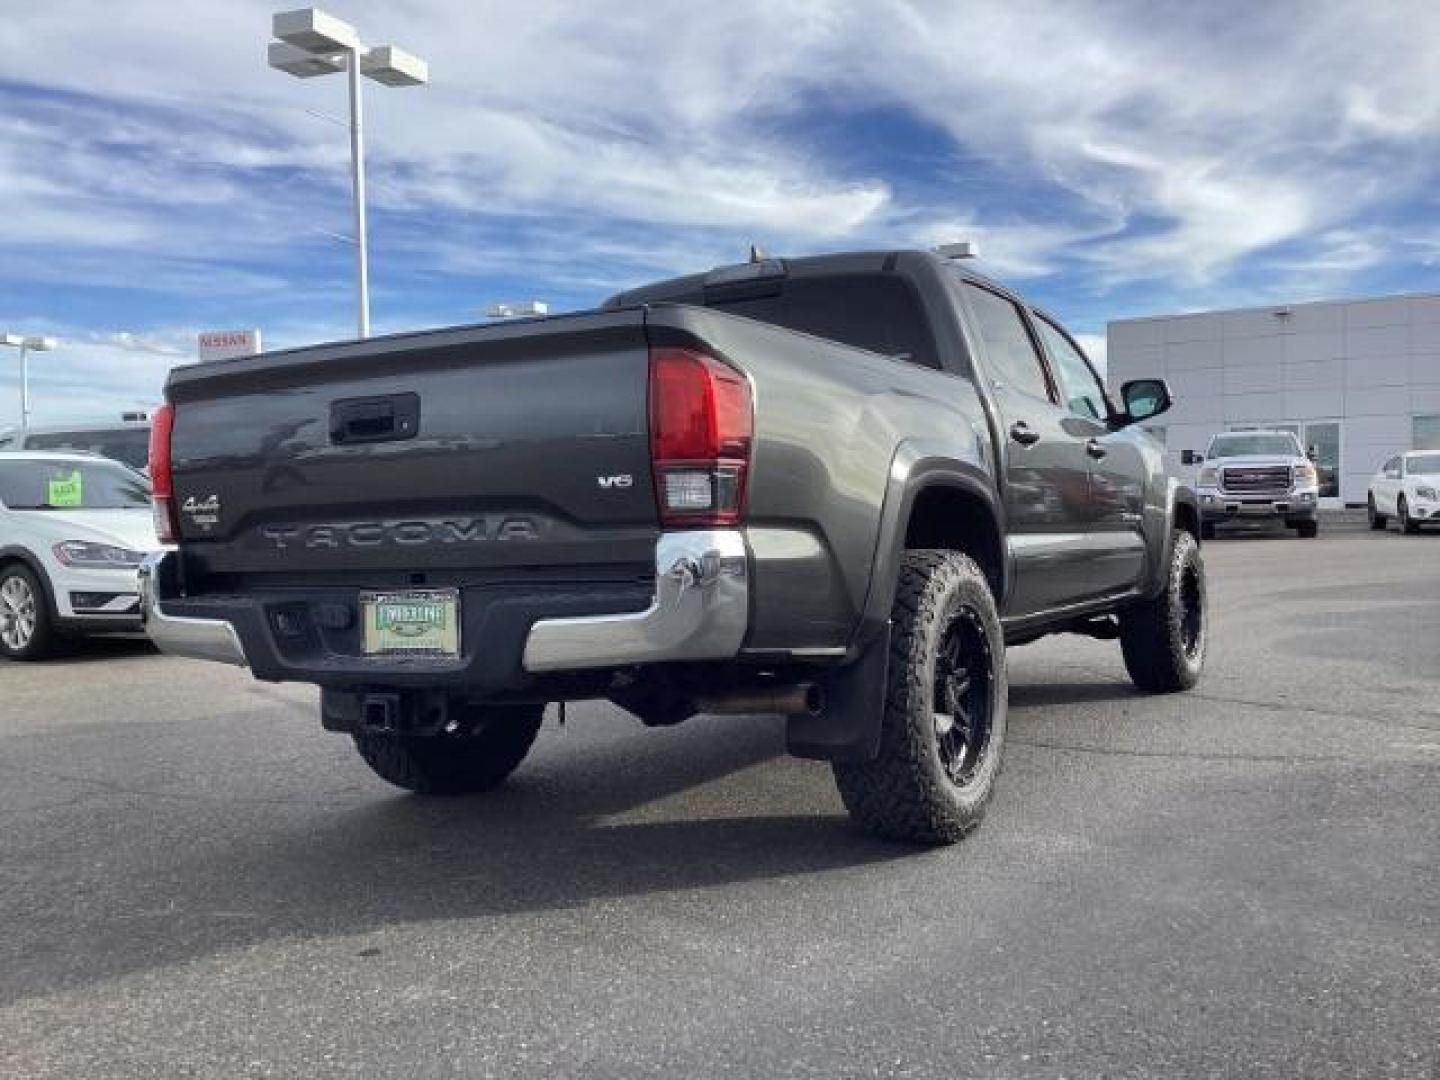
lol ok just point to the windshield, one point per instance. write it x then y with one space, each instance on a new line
128 445
1422 463
71 485
1247 443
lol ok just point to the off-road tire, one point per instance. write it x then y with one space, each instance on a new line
906 792
1408 525
43 639
489 746
1164 650
1307 530
1377 519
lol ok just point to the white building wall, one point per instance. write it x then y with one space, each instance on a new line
1373 365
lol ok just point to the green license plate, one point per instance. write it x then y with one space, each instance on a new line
414 621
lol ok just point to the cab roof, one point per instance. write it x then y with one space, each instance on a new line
735 276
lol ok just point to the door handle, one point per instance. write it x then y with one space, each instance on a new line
1096 449
1022 433
371 420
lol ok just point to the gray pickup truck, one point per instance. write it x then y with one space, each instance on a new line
832 488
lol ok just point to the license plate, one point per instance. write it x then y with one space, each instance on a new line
414 621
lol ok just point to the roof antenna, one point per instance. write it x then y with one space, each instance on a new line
758 253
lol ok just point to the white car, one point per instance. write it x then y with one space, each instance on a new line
1407 488
73 530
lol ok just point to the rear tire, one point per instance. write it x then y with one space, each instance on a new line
27 629
1408 525
943 728
491 743
1163 640
1307 530
1377 519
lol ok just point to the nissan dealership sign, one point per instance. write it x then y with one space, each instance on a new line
227 344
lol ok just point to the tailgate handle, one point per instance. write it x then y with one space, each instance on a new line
375 419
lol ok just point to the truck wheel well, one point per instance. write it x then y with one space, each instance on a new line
951 518
1186 518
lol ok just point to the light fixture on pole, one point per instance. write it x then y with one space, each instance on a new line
521 310
26 345
312 43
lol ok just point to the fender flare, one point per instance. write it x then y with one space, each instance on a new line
916 467
849 728
1177 494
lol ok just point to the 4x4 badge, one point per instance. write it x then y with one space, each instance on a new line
204 512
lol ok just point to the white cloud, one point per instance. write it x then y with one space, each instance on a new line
1216 132
614 142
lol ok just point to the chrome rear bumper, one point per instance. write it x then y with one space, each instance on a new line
700 611
202 639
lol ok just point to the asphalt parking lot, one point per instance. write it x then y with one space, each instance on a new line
1243 880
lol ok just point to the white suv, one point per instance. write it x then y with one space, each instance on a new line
73 530
1407 487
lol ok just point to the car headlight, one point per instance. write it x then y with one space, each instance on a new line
90 556
1425 491
1208 476
1305 476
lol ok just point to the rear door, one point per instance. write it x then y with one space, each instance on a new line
1117 467
1047 473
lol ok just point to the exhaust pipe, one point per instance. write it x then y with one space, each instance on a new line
803 699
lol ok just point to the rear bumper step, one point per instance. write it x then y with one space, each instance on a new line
203 639
699 611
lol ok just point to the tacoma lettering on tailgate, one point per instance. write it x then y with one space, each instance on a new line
414 532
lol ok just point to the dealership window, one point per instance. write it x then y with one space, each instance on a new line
1425 433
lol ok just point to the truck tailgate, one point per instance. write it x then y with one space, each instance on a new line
518 446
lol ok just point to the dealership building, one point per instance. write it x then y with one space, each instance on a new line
1357 380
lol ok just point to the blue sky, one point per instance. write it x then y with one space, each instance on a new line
1111 159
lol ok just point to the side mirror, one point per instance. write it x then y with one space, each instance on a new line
1144 398
1190 457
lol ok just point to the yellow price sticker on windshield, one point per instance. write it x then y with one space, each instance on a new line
66 491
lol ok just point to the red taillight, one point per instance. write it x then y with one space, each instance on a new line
162 483
701 424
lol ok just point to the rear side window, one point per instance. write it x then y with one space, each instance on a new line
878 312
1013 359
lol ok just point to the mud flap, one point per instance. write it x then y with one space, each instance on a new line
849 728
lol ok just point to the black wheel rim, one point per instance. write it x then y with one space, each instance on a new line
1192 612
962 699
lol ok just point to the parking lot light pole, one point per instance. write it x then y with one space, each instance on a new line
312 43
26 345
